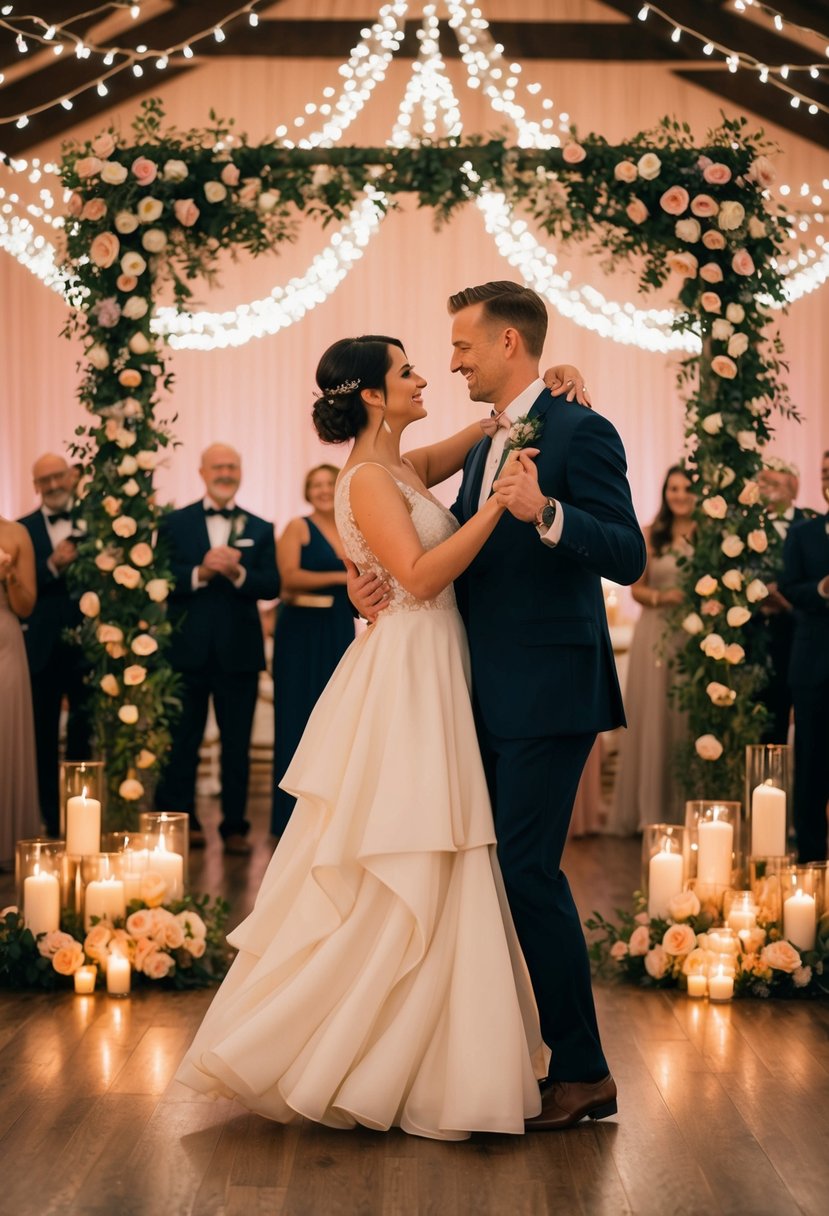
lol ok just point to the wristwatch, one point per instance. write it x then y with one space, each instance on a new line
546 515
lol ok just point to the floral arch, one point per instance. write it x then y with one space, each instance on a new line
161 208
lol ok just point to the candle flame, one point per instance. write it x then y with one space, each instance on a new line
83 795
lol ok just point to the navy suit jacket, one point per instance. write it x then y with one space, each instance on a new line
805 563
542 660
218 624
55 609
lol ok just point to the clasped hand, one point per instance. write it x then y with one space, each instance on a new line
63 554
517 487
222 559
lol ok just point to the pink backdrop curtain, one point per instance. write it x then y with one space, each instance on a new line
258 396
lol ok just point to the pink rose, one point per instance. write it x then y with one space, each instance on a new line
724 367
250 192
130 377
684 263
711 273
186 212
230 174
144 170
573 154
742 262
710 301
625 171
761 171
711 608
636 211
704 205
713 239
94 210
68 959
675 200
141 555
104 249
126 282
679 940
716 174
158 965
781 956
107 312
104 145
656 963
75 204
88 166
619 950
640 940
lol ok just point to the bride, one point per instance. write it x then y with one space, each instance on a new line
379 980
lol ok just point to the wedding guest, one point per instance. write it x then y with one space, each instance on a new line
314 627
19 818
223 560
779 483
646 789
805 584
57 667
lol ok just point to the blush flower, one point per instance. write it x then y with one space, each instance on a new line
675 200
724 367
104 249
713 239
144 170
683 262
625 171
704 206
649 166
711 273
710 301
742 262
186 212
573 154
708 747
716 174
636 211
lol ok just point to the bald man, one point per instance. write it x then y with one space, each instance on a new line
57 667
223 560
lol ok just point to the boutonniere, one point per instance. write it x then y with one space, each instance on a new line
237 527
524 432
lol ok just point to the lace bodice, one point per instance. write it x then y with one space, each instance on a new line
432 522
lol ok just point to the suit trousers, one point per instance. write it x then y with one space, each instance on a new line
61 677
234 702
811 768
533 784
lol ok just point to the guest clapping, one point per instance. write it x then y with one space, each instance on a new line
646 791
315 624
223 560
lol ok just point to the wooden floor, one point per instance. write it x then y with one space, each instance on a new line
721 1108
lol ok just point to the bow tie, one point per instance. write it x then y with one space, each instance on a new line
225 512
490 425
56 515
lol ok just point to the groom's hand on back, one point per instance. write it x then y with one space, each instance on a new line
368 592
517 488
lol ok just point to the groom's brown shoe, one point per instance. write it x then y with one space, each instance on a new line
566 1103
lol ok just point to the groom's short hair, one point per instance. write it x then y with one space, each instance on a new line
509 302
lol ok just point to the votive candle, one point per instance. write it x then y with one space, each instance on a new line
697 985
118 975
720 987
85 978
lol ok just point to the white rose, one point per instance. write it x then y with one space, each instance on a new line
112 173
781 956
132 263
688 230
708 747
98 356
731 215
737 616
721 329
693 623
732 579
128 714
174 171
124 526
713 646
721 694
683 905
649 166
735 313
749 495
149 209
215 192
135 307
154 240
756 591
126 222
266 201
737 345
732 546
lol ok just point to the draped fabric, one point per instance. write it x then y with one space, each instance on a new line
258 397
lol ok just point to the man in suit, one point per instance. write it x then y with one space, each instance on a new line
805 583
543 672
57 667
223 561
779 484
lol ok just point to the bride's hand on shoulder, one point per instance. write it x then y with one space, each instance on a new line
567 379
517 488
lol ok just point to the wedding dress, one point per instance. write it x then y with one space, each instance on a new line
379 980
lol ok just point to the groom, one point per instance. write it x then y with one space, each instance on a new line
543 673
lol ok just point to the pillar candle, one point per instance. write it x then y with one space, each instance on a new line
85 978
170 867
104 898
799 925
41 903
118 975
716 838
83 826
665 874
768 821
697 985
135 867
720 987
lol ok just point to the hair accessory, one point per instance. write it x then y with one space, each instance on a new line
342 390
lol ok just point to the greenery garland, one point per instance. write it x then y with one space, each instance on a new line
162 208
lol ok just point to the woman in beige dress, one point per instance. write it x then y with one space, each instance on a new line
19 814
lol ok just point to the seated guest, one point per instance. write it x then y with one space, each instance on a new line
57 667
223 560
805 584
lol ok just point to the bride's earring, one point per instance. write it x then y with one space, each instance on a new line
386 426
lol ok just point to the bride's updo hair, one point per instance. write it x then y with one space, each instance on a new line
345 369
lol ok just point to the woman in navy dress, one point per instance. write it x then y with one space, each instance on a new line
314 627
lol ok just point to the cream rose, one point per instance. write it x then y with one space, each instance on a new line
131 790
128 466
756 228
732 546
683 905
126 222
132 263
716 507
230 174
736 313
106 561
749 495
141 555
215 192
781 956
761 171
144 170
186 212
619 950
93 210
158 590
724 367
138 343
140 923
713 239
649 166
49 944
675 200
146 459
124 526
731 215
136 674
681 261
131 488
802 977
195 946
695 963
756 591
734 654
110 685
640 940
174 171
109 633
115 650
757 541
144 645
154 240
128 714
104 249
152 890
89 604
712 424
149 209
679 940
266 201
688 230
713 647
88 166
721 330
711 273
112 173
135 308
104 144
737 616
96 942
726 476
732 579
98 356
710 301
127 577
704 206
145 758
716 174
737 345
656 963
706 585
693 623
68 959
708 747
158 965
573 153
625 171
192 924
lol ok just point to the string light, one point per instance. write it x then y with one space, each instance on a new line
429 88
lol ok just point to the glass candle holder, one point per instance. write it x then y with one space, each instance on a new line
82 792
168 832
663 865
768 798
37 871
119 975
802 889
712 848
766 879
102 881
739 910
85 980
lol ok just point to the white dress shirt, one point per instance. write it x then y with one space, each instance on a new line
218 532
58 530
783 522
520 406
